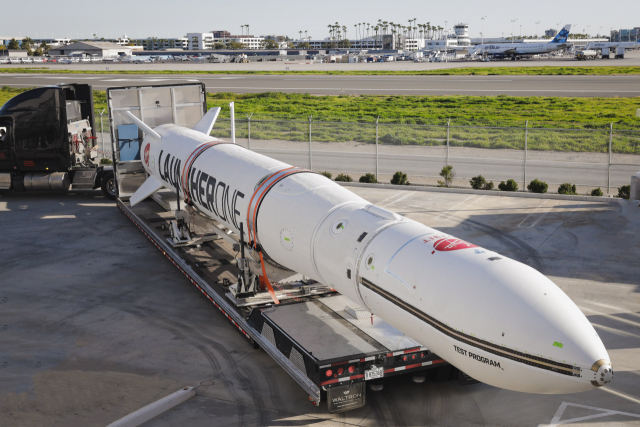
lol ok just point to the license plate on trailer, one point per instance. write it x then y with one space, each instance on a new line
373 373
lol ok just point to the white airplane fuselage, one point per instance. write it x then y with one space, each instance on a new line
520 49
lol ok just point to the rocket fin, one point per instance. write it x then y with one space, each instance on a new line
142 125
207 121
150 186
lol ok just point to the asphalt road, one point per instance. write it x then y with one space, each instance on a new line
586 86
96 323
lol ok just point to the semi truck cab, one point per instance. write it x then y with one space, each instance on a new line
47 141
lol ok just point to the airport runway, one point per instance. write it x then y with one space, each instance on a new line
568 86
97 323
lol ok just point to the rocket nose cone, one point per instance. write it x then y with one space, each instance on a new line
604 372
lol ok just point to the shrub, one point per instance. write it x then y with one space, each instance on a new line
510 185
327 174
448 174
399 178
597 192
344 178
479 183
624 192
536 186
391 139
105 161
567 188
368 178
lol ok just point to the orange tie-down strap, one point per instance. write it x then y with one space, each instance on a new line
266 280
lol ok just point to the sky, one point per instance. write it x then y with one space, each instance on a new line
169 19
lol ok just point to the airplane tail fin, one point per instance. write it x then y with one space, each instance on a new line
562 36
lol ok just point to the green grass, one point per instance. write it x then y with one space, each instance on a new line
562 124
466 71
501 110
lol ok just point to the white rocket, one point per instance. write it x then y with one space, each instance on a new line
500 321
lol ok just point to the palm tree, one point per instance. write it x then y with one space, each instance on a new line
376 29
27 42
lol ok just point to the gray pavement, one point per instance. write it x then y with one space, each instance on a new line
580 86
96 323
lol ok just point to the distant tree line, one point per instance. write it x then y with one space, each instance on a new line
29 45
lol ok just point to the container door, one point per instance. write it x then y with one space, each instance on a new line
155 105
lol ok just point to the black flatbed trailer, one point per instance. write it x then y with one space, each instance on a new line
315 334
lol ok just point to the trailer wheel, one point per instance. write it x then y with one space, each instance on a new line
108 185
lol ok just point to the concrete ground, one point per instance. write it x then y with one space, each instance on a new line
96 323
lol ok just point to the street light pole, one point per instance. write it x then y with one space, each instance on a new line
538 29
513 28
482 34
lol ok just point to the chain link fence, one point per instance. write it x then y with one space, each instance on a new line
589 158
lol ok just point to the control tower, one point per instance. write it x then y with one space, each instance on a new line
462 34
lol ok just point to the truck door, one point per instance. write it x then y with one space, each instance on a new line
6 132
155 105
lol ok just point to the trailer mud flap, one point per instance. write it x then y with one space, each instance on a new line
346 397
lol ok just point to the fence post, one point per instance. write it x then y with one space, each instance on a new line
249 130
377 118
526 137
609 167
310 157
448 123
101 135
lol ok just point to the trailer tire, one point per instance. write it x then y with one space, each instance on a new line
108 185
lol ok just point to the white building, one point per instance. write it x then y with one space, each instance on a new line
163 44
204 41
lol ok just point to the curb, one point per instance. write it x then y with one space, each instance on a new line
525 195
156 408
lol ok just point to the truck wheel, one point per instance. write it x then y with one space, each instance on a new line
108 185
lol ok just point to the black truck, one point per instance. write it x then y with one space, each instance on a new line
48 143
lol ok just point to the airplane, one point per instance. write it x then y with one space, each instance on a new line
619 47
517 51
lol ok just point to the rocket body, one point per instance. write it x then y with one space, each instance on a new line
500 321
